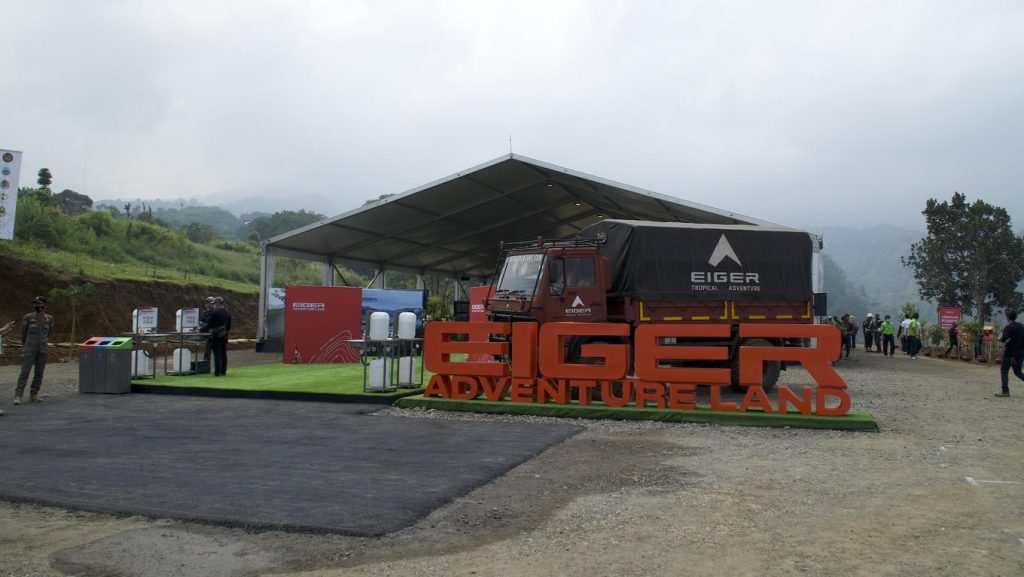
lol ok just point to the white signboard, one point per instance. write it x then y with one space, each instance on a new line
144 320
187 320
10 167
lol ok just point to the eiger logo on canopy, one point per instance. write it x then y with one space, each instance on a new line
722 251
737 281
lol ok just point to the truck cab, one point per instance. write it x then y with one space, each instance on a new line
557 281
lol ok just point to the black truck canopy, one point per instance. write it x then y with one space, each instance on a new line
671 260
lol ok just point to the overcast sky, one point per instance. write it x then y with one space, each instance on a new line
800 113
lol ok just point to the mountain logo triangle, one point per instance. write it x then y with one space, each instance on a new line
722 251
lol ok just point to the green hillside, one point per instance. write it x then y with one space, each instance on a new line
108 245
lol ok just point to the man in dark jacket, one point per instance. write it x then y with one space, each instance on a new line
35 334
954 340
204 327
219 324
1013 353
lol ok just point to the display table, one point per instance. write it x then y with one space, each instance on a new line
180 348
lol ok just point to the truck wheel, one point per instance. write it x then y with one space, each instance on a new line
769 373
574 356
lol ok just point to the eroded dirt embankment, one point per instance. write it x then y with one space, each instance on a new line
109 310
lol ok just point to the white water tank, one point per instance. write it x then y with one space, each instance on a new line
406 325
380 323
405 371
182 363
378 374
140 364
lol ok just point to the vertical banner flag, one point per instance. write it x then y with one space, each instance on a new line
10 167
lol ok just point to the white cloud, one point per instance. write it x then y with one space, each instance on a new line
792 112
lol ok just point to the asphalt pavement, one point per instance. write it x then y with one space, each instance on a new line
306 466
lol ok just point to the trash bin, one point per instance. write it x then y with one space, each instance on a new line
105 365
88 366
118 365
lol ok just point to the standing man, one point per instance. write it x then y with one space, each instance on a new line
914 336
849 329
888 337
219 325
1013 352
869 331
204 327
902 333
35 334
954 340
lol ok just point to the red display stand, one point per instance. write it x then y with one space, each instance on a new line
318 323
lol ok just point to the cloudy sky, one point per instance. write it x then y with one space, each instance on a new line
802 113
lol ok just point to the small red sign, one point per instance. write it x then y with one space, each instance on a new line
948 316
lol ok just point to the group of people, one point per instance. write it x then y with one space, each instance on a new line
37 326
216 320
880 334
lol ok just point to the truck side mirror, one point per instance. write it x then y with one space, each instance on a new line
556 277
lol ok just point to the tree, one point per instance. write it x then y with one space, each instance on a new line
282 222
70 202
200 233
42 195
73 295
969 257
45 178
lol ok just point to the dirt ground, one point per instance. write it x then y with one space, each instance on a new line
939 491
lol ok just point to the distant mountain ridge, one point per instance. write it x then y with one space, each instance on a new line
870 259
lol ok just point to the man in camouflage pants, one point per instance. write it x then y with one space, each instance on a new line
35 332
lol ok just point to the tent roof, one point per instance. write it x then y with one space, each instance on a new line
455 224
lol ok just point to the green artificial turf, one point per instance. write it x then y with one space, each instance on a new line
852 421
345 379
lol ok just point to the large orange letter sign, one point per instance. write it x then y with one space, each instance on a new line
815 360
552 351
649 353
438 348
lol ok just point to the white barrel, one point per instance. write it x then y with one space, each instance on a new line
140 364
380 322
405 368
378 374
182 362
406 325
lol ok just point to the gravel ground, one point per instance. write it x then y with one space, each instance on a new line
939 491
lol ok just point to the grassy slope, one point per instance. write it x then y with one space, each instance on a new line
132 269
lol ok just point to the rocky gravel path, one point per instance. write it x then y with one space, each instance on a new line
938 491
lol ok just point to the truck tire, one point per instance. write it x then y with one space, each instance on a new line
770 372
574 356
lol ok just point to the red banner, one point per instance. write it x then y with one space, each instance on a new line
948 316
318 323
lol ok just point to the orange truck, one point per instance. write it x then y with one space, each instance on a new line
638 272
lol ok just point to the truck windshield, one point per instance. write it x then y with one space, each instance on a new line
521 273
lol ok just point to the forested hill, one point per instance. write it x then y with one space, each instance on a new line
872 275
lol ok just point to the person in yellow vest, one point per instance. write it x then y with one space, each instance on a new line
888 331
35 335
914 336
